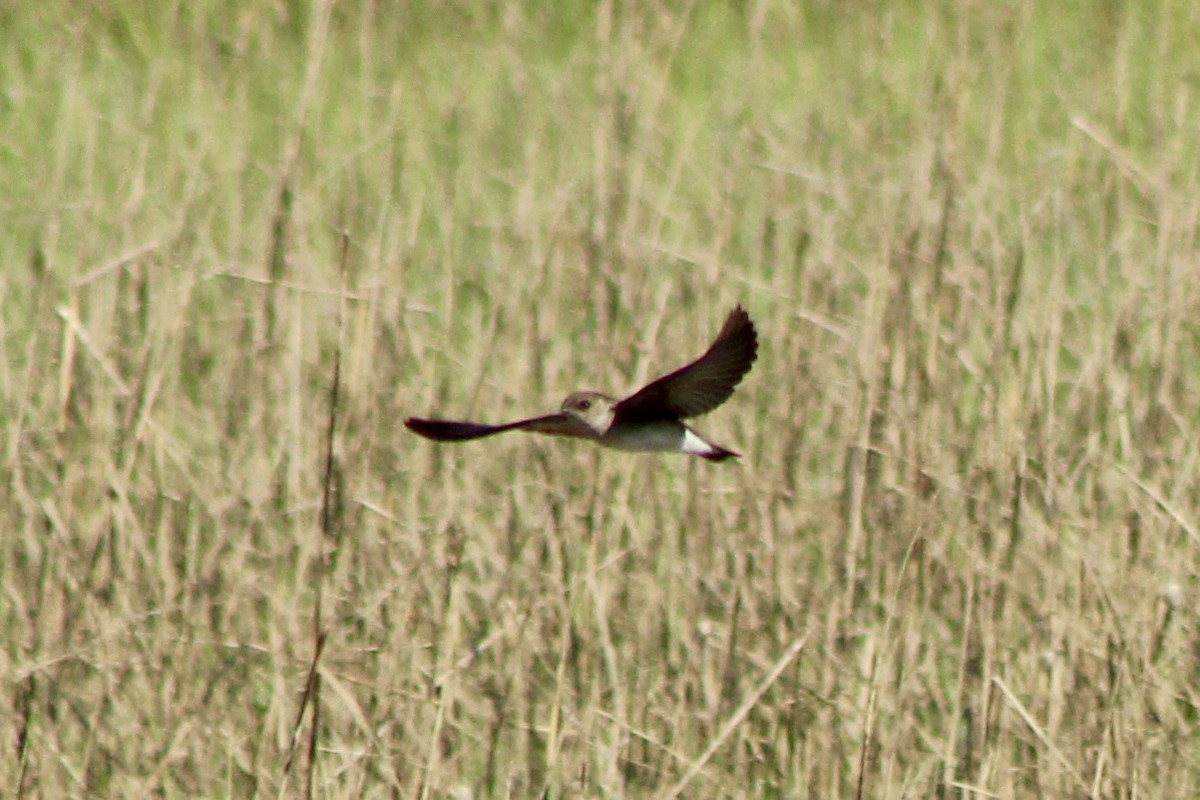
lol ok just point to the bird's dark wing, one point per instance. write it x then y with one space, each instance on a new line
444 430
702 385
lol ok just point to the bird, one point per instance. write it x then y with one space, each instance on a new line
649 420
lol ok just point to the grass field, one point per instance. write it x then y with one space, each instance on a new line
959 558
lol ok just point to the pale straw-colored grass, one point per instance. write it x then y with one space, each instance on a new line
959 558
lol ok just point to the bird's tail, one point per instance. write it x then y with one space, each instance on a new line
719 454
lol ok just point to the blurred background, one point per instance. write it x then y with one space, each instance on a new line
958 559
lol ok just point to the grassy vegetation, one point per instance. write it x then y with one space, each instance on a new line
959 558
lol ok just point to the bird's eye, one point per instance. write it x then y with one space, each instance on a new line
584 405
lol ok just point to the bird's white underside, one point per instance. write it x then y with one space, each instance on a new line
671 437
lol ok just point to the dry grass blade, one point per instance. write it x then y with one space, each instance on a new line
1040 733
736 718
1162 502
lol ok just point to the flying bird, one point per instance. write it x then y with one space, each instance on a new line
650 419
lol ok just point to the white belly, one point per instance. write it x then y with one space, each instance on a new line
655 437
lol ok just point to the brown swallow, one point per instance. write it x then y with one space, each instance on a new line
650 419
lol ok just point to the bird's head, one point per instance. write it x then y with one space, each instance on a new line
591 408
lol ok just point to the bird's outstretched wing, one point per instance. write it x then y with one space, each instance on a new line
444 430
702 385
